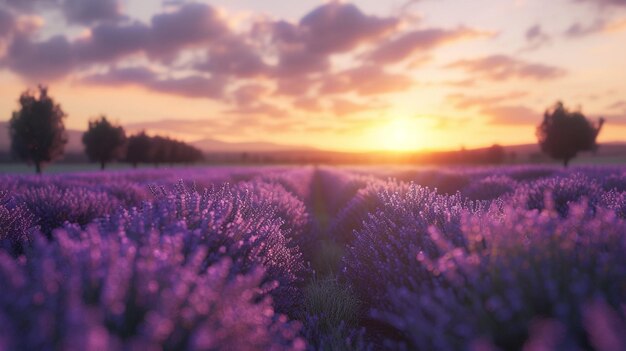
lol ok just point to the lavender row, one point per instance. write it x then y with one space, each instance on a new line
514 259
188 268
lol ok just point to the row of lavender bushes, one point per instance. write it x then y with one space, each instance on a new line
448 259
500 259
112 264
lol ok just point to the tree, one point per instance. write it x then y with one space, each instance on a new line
162 150
139 149
104 142
36 130
564 133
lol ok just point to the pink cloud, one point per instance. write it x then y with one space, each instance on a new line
408 44
365 80
343 107
502 67
191 86
465 101
89 11
512 115
340 27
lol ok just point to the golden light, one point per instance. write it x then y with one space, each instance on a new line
400 134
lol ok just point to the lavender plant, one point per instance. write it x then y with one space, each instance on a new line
16 225
526 267
53 206
366 201
562 192
490 188
225 222
396 232
88 290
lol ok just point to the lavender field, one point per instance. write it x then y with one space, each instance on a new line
287 258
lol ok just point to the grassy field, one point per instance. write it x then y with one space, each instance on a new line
55 168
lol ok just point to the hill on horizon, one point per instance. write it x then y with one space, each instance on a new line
75 144
210 145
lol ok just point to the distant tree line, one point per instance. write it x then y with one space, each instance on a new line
105 142
160 150
38 137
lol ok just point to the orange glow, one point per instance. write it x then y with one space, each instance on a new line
443 82
399 134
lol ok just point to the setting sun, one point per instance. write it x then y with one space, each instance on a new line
331 75
399 136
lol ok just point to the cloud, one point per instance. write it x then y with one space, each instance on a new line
536 38
343 107
601 25
463 101
12 24
617 119
47 60
618 105
234 56
295 62
191 24
191 86
340 27
400 48
123 76
28 5
502 67
335 27
109 42
294 86
577 29
249 94
257 69
308 104
511 115
83 12
365 80
260 109
90 11
604 2
7 23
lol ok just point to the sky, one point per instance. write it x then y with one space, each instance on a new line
337 75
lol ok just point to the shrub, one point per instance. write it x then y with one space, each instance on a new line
514 272
225 222
88 290
52 205
396 233
297 223
561 191
16 225
490 188
366 201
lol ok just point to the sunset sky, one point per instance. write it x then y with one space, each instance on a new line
358 76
